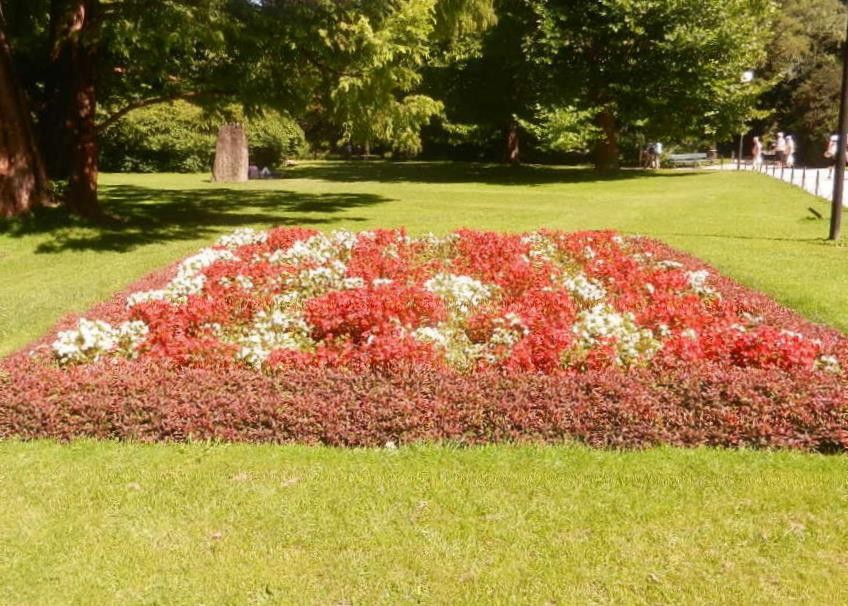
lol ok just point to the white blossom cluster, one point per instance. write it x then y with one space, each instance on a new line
602 322
584 289
458 349
316 281
461 293
91 339
431 240
541 246
189 279
698 282
242 237
272 330
319 249
827 363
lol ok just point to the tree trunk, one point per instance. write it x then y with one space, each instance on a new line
512 151
82 183
23 183
607 150
54 115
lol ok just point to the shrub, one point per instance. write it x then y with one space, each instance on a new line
180 137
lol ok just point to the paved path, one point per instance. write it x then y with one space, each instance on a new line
814 180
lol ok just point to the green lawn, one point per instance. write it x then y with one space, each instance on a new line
105 523
93 523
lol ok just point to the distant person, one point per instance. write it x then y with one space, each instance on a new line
265 173
643 157
252 172
830 153
790 151
653 154
780 150
757 153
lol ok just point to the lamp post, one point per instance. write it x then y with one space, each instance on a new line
839 169
746 77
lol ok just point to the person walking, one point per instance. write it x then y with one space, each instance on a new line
658 150
790 151
780 150
830 154
757 153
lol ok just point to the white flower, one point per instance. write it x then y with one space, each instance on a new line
242 237
377 282
461 293
669 264
827 363
432 334
92 339
584 289
602 322
188 281
319 249
541 247
689 333
244 281
270 331
698 281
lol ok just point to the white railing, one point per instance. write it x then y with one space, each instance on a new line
817 181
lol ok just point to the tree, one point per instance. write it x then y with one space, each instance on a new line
667 68
23 182
106 58
804 64
371 61
491 91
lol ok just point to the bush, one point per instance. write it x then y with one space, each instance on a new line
180 137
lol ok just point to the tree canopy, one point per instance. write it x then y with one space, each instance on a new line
466 78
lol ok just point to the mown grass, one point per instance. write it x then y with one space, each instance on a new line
96 523
754 228
103 523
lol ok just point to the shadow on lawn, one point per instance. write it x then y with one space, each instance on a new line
149 216
466 172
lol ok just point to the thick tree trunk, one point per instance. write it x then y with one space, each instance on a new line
512 150
54 115
607 150
82 183
23 183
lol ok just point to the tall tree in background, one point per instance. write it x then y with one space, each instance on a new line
668 67
371 56
492 88
805 64
90 62
23 182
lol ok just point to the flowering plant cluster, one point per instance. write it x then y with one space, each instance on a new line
545 301
291 335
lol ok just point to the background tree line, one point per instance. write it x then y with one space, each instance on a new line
135 85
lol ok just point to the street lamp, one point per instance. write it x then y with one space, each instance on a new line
746 78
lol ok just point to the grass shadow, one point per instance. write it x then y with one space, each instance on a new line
465 172
150 215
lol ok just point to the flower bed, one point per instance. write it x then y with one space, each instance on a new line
344 338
